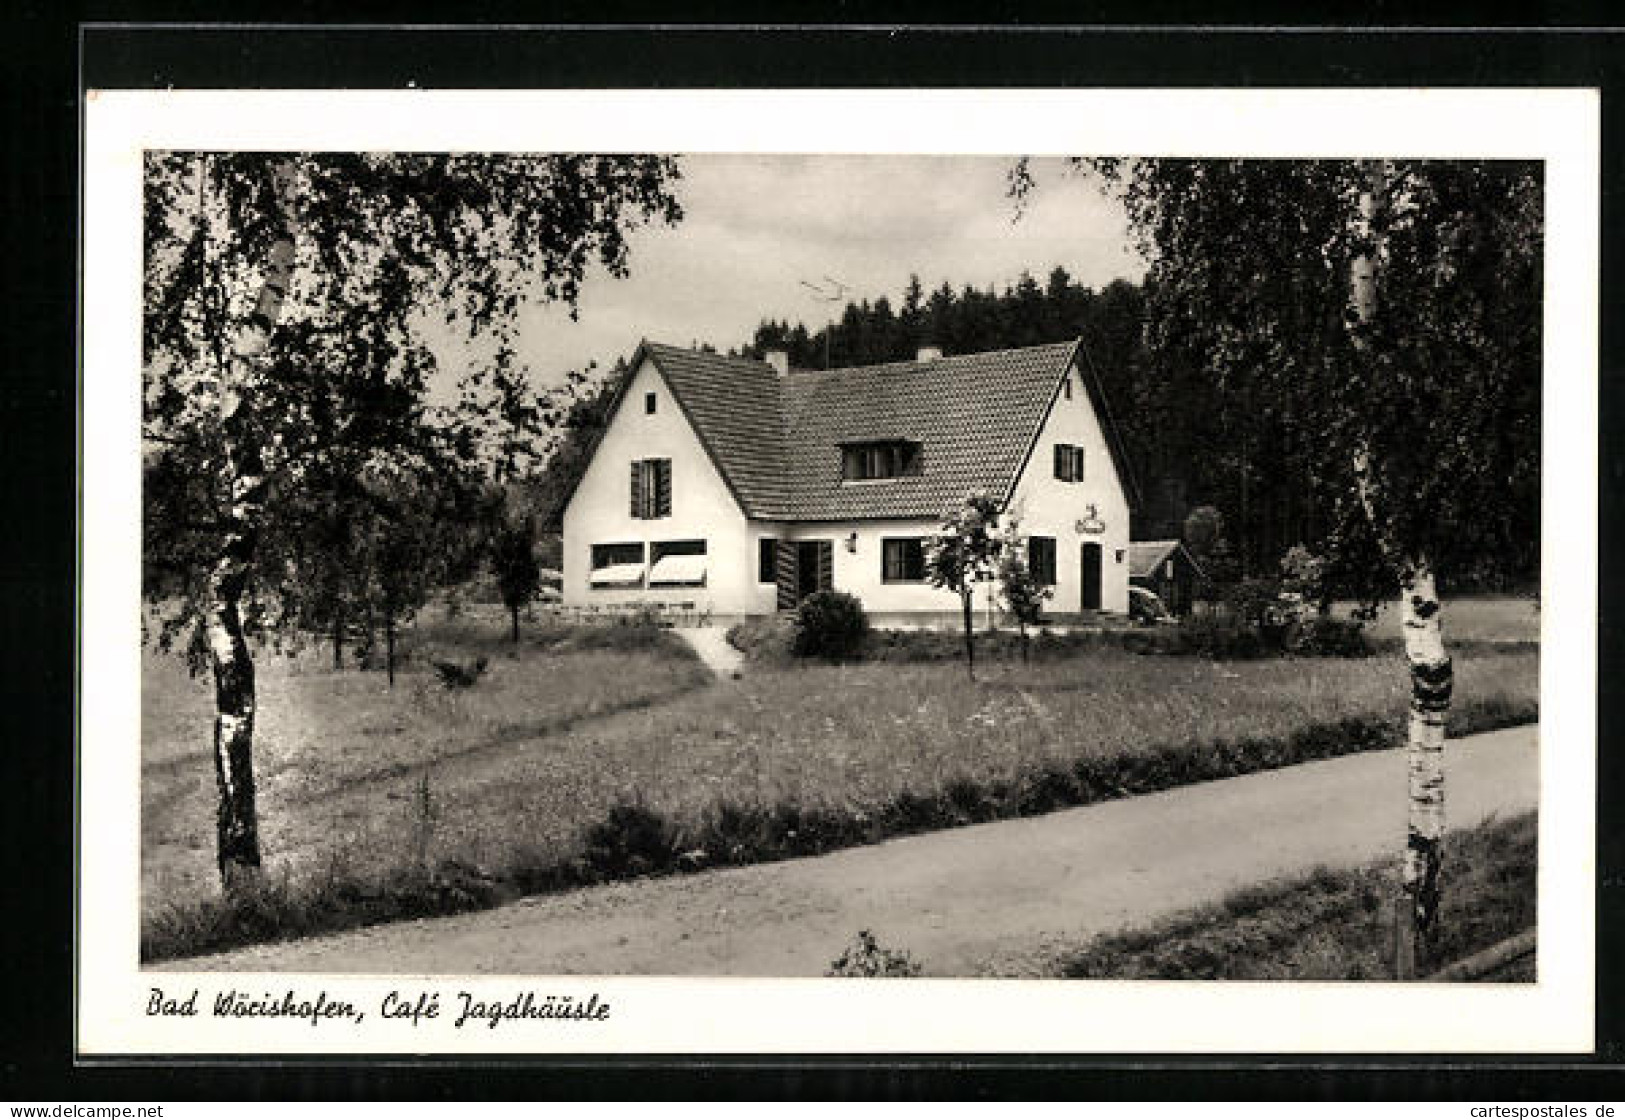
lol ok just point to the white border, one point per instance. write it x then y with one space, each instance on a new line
725 1015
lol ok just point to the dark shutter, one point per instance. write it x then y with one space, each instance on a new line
766 559
786 574
890 561
826 565
1060 461
662 487
1077 464
637 489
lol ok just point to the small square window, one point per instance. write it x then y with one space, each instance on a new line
649 403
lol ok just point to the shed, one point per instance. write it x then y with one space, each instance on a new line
1168 569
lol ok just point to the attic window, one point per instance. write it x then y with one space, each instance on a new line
1068 462
1066 386
868 462
649 403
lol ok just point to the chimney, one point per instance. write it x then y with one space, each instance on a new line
928 353
779 360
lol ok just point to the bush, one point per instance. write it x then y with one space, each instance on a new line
768 638
865 958
1334 637
632 840
832 625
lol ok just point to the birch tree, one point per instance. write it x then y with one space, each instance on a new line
277 285
1388 312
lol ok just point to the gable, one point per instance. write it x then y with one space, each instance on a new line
631 434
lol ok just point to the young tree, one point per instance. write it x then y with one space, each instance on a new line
262 269
1022 593
964 553
1389 314
517 568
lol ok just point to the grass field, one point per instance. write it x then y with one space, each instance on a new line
1335 925
1470 618
339 756
512 777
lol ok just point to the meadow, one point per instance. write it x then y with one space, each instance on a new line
574 763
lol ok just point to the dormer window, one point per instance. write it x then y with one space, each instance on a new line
879 459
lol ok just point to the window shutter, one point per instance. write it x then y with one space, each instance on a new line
786 575
662 487
826 565
637 489
1060 461
1077 464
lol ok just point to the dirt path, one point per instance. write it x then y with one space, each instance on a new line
711 643
994 899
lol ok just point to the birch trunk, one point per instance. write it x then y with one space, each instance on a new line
1432 681
1432 675
237 825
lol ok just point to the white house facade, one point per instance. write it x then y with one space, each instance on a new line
738 487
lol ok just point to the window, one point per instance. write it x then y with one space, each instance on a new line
649 403
865 462
767 560
651 488
1068 462
902 560
1066 386
617 565
677 564
1041 560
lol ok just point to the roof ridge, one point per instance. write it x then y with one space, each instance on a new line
912 362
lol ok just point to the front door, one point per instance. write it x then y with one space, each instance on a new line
803 567
815 567
1089 574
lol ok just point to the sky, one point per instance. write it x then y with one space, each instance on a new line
755 226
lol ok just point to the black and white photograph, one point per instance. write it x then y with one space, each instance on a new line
950 580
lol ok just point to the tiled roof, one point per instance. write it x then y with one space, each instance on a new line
776 440
1144 556
974 416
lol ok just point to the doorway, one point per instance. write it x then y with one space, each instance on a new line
1089 576
803 567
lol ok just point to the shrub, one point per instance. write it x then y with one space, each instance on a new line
1334 637
832 625
866 958
632 840
768 638
1219 636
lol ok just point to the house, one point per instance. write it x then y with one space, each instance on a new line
1167 568
742 486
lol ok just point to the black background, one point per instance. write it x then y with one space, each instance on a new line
43 53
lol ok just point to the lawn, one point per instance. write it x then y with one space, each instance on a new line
1336 924
339 755
516 783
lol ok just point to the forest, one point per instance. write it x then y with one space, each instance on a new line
1193 439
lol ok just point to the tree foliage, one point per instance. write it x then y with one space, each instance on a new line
1250 281
965 552
295 456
